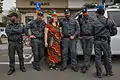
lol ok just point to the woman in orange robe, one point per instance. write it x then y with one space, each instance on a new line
52 31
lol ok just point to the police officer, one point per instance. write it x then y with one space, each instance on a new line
101 44
14 31
37 39
70 29
86 34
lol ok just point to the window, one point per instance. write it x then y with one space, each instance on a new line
109 1
1 30
117 1
114 15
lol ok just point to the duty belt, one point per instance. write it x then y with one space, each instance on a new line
40 38
85 35
101 38
66 36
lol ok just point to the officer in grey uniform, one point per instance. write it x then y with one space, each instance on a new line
86 34
102 35
14 32
70 29
37 39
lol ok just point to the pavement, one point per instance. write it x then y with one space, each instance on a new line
47 74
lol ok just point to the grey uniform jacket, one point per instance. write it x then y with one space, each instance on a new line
99 26
70 27
36 28
86 26
14 32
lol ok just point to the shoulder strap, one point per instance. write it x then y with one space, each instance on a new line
105 24
80 21
106 21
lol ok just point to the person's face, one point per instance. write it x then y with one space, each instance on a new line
39 17
67 15
13 19
85 14
55 19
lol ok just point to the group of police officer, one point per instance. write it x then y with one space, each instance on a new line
97 31
89 30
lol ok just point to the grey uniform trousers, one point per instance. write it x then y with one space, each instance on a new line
12 48
103 46
68 44
38 51
87 46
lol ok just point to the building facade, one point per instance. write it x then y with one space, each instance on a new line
1 10
28 11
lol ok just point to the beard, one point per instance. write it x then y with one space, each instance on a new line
67 16
13 21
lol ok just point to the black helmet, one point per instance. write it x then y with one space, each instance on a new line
100 11
13 14
66 11
40 13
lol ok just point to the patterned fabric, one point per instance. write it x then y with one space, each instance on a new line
54 53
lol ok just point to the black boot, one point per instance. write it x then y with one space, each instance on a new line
75 69
84 69
63 68
36 66
11 71
109 74
23 69
99 75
